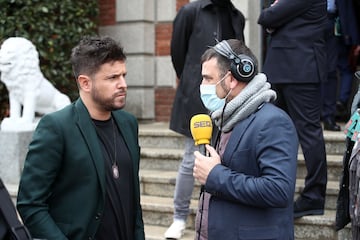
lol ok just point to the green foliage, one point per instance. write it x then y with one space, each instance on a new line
54 27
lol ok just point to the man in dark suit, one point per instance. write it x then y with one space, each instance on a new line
349 40
295 64
80 179
329 87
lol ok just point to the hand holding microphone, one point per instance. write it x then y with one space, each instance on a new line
201 130
203 164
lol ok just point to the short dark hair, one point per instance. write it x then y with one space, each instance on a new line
237 46
94 51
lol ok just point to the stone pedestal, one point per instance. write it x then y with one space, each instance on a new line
13 150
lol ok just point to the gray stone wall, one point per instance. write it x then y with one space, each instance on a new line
13 150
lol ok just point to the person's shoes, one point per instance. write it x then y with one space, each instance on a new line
304 207
331 125
176 230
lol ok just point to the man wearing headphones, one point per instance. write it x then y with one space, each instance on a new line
250 173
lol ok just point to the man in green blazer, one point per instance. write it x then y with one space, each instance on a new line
80 178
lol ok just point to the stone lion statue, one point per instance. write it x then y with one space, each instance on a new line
29 91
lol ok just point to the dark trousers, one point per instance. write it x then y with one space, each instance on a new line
346 74
303 104
329 87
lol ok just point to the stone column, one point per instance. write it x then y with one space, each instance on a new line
13 150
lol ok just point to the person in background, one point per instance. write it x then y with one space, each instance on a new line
80 178
347 205
347 30
329 87
249 176
198 24
355 104
296 66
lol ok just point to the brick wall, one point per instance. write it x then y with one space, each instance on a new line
107 12
180 3
164 96
163 33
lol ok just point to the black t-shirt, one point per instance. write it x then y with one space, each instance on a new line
118 216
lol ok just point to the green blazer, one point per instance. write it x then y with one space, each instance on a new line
62 187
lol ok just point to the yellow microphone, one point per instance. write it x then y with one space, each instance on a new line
201 130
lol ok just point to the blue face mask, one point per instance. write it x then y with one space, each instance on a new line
210 99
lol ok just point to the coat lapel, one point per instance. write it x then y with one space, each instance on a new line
236 135
89 133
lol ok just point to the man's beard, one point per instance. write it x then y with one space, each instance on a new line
108 103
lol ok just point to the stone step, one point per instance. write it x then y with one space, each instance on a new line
311 232
334 167
159 211
158 135
162 184
335 142
306 228
332 190
169 160
320 228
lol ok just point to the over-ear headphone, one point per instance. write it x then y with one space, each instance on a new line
242 67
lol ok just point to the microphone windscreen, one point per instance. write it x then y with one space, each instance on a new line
201 128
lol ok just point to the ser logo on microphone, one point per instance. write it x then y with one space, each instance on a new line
201 129
202 124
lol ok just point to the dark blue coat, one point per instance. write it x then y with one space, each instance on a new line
296 51
349 26
253 189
